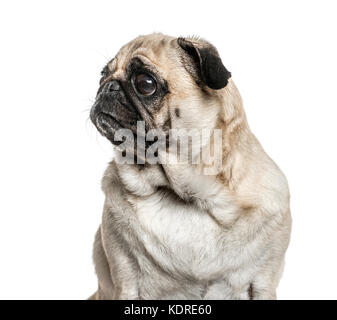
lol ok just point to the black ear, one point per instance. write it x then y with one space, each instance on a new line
211 70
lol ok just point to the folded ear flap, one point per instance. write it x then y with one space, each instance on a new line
206 58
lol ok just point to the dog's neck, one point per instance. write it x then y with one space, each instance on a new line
237 140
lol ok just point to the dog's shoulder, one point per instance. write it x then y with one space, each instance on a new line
110 178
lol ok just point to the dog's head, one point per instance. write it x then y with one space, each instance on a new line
169 83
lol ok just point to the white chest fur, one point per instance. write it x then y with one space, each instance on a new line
185 239
215 244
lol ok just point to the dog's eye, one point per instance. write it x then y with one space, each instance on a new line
145 84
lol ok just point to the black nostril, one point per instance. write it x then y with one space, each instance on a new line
113 86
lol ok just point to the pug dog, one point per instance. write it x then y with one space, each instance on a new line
172 230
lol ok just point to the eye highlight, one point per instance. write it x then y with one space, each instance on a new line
145 84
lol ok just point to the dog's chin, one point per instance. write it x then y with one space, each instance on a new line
107 126
107 123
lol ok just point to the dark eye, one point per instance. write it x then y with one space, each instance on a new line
145 84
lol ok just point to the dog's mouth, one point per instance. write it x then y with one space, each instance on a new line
106 124
110 115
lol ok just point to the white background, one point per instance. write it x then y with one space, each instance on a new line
282 55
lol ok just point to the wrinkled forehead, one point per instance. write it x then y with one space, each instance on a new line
157 50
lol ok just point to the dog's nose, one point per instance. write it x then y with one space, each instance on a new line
109 88
113 85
